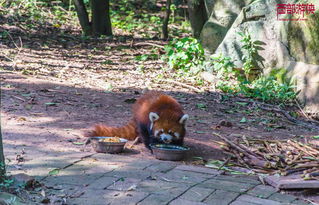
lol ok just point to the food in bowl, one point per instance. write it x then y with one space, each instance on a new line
110 139
169 152
110 145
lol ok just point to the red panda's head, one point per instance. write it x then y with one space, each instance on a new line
168 128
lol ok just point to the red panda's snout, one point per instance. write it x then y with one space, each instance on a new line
168 130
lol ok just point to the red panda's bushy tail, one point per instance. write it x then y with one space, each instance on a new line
128 131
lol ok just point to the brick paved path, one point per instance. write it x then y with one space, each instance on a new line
114 179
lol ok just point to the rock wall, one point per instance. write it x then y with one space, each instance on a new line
222 14
293 45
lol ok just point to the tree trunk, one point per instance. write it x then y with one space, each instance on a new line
83 17
197 16
101 21
166 20
2 162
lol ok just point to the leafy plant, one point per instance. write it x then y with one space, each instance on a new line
274 87
185 54
268 88
223 66
5 182
252 59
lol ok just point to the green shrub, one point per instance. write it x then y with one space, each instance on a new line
185 54
268 88
252 59
275 87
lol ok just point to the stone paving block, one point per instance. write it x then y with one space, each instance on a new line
300 202
247 199
196 194
183 176
198 169
127 198
226 185
129 173
139 165
65 189
157 199
286 198
161 167
71 178
41 166
262 191
185 202
86 201
37 166
242 203
99 164
111 197
240 179
102 183
125 184
117 158
221 197
162 187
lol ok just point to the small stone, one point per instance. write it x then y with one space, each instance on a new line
28 181
225 123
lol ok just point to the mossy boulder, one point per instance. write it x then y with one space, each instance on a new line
222 14
303 39
293 45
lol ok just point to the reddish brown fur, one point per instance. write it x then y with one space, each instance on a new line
169 110
127 132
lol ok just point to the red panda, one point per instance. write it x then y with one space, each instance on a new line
157 118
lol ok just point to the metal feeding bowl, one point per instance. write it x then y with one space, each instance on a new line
169 152
99 145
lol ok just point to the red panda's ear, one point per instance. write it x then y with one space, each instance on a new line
153 116
183 119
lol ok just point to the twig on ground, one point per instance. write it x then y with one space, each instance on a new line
23 100
224 163
297 103
289 117
309 123
147 44
13 60
182 84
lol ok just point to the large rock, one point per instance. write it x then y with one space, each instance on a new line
222 14
285 40
303 38
307 77
289 44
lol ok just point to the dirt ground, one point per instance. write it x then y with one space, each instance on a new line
55 86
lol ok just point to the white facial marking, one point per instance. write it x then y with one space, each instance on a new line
153 116
156 132
176 134
184 119
166 138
